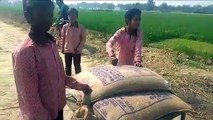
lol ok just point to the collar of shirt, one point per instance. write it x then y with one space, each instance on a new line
75 24
135 33
41 39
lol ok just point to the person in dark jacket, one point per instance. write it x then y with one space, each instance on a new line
63 15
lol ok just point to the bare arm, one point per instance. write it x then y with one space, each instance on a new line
74 84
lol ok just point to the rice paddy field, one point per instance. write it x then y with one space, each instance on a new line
156 26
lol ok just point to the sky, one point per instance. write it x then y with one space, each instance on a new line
157 2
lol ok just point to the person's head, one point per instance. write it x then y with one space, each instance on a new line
73 14
59 2
39 14
133 18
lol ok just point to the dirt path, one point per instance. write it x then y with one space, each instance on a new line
10 37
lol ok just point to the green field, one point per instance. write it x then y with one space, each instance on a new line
188 47
157 27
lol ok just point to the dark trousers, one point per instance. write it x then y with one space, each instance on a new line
60 115
68 63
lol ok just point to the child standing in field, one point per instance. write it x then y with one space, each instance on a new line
73 40
38 70
128 40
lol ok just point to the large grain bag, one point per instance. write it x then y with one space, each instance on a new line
74 99
106 81
141 106
80 112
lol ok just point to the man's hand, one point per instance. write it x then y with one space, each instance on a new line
138 64
85 88
114 61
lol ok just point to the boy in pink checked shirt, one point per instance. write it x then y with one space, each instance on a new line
73 40
38 70
128 41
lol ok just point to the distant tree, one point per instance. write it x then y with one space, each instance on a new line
110 6
163 7
121 6
137 5
125 6
150 5
208 9
129 6
103 6
186 8
197 9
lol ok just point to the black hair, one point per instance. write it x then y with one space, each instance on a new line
131 13
73 11
30 5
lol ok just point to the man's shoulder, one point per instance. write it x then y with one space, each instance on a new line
121 30
140 32
25 47
81 26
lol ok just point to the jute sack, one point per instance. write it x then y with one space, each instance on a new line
74 99
106 81
142 106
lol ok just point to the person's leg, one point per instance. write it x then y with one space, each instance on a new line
68 63
60 115
77 63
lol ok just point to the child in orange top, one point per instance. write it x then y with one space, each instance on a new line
73 40
129 41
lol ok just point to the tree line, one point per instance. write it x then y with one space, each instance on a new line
149 6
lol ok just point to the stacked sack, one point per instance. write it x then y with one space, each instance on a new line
124 93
